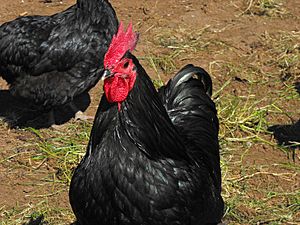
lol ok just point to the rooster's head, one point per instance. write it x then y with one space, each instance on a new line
120 72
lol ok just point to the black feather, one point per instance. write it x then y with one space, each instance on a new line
48 60
141 169
193 113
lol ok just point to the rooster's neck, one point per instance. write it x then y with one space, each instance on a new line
146 121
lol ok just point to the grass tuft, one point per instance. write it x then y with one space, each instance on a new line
270 8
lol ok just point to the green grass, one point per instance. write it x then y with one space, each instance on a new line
244 128
269 8
65 150
30 212
61 151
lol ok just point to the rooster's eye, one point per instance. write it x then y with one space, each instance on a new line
126 65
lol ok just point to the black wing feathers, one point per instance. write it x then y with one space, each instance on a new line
19 39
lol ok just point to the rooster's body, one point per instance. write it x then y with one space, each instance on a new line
49 60
145 164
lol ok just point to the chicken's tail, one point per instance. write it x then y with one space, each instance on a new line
187 98
190 87
187 73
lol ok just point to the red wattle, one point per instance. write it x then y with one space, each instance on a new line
116 89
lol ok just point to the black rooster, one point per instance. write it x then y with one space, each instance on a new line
49 60
146 165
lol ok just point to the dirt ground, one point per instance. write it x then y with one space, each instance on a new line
243 45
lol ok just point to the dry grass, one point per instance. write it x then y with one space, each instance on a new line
270 8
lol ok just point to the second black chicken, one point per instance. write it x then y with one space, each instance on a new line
49 60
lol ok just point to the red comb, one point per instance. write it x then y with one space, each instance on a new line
120 44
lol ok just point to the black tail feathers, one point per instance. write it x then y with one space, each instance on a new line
187 73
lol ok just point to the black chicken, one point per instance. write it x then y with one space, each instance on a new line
146 165
49 60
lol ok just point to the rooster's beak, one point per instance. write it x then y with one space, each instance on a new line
106 74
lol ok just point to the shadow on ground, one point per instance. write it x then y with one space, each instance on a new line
297 86
40 221
19 114
37 221
288 135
